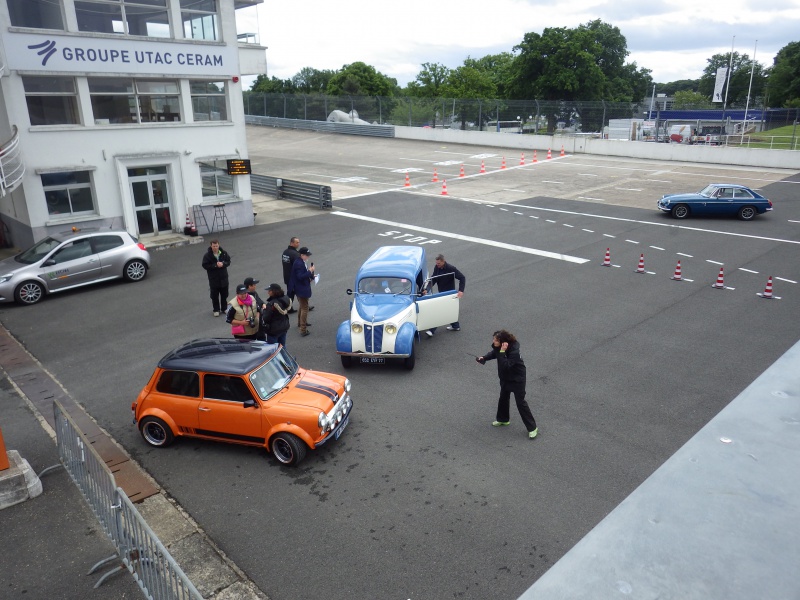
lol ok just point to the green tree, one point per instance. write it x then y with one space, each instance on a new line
361 79
784 77
499 68
272 86
312 81
682 85
429 82
691 100
470 86
738 80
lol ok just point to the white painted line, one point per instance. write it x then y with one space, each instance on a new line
587 230
632 241
588 198
513 190
518 213
659 181
748 270
629 189
786 280
467 238
550 221
609 235
790 221
504 209
533 216
686 255
489 205
547 181
568 225
714 262
587 174
656 248
689 280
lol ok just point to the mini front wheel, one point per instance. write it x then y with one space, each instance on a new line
287 448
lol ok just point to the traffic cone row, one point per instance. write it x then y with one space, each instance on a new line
461 174
444 187
534 157
483 167
522 160
503 164
408 181
435 177
549 154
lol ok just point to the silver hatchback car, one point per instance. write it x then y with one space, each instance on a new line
65 261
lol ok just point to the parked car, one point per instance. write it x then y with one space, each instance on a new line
249 393
716 199
65 261
388 310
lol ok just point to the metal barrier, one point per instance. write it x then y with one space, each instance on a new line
324 126
11 167
287 189
139 549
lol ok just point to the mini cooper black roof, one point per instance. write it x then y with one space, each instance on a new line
219 355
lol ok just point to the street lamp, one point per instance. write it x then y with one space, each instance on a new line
519 119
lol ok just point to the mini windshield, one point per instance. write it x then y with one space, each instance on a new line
38 251
272 376
384 285
708 191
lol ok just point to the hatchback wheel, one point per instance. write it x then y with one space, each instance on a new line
746 213
680 211
29 292
288 448
135 270
156 432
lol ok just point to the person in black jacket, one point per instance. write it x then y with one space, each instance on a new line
511 371
275 317
287 260
250 283
444 276
216 262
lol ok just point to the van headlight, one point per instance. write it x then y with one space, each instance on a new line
391 329
356 328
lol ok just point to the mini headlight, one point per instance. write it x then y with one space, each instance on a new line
322 420
390 329
357 328
347 385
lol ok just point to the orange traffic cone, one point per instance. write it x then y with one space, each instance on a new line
408 181
483 167
549 154
522 160
677 276
562 149
503 164
461 174
640 268
768 290
188 222
435 177
720 280
534 157
444 187
607 259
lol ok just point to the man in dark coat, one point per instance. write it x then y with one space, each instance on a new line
216 262
287 260
300 285
275 317
511 371
444 276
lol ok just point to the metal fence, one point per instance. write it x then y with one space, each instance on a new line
138 548
287 189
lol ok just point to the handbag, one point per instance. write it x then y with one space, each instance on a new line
237 329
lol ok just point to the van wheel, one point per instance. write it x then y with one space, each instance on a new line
156 432
409 362
288 448
29 292
347 361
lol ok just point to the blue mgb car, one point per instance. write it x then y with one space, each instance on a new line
716 199
388 310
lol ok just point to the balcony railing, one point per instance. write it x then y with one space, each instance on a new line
11 167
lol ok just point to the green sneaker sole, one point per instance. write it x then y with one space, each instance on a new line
500 423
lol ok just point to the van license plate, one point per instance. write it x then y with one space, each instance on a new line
373 360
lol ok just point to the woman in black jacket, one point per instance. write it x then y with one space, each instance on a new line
275 318
511 371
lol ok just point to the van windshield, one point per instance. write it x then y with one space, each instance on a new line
384 285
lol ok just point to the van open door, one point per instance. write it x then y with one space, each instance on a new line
436 310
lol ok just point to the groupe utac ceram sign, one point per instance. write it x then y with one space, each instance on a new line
81 54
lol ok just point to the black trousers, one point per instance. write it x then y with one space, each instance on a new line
219 297
518 389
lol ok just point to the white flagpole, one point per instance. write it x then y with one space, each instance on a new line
749 89
727 85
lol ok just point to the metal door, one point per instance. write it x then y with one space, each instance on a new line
150 194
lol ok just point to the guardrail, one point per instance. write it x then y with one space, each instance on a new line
324 126
11 168
139 549
287 189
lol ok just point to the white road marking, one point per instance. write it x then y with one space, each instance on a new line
548 181
686 255
660 181
629 189
609 235
565 224
533 216
632 241
504 209
587 174
587 230
518 213
512 190
549 220
468 238
786 280
748 270
713 262
790 221
656 248
590 198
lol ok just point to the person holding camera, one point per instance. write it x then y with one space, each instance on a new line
242 314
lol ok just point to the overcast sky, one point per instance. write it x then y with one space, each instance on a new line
672 38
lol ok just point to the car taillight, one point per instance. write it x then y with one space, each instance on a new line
770 205
141 246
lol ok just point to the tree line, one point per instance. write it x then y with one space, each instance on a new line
585 63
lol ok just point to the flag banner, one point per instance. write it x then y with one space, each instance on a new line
719 86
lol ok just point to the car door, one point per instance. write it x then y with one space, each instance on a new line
436 310
177 393
72 264
223 414
723 202
111 250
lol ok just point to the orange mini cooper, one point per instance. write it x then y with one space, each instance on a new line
250 393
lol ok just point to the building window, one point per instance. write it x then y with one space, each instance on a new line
208 100
68 193
41 14
128 17
51 100
200 20
215 179
117 100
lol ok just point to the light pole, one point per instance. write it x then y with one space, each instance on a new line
520 123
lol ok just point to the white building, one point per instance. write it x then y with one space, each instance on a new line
123 114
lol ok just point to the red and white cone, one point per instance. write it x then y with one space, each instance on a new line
640 268
522 160
768 290
503 164
720 280
607 259
435 177
444 187
408 181
188 222
677 276
461 174
534 157
483 167
562 149
549 154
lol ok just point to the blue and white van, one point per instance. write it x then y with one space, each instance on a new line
389 311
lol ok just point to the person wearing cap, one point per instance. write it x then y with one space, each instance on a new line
300 285
287 260
275 317
250 283
242 314
216 262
